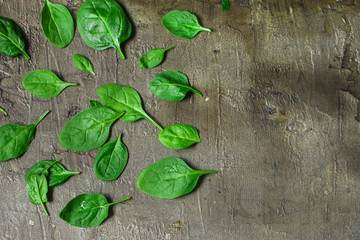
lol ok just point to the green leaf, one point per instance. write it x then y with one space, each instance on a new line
3 111
94 103
169 178
103 24
171 86
89 129
83 63
87 210
226 5
44 84
179 136
12 39
37 188
124 98
182 24
57 172
153 58
57 24
111 160
15 139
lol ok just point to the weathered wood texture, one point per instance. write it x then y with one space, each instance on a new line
279 119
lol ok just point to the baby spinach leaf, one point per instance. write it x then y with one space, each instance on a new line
15 139
57 24
57 172
94 103
103 24
37 188
3 111
124 98
83 63
179 136
89 129
169 178
44 84
87 210
153 58
226 5
12 39
111 160
182 24
171 86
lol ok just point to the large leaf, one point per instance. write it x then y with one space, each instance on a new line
37 188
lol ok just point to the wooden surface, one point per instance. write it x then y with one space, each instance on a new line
279 120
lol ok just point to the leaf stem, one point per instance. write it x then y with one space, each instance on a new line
152 121
196 92
3 111
166 49
41 118
51 165
74 173
122 200
207 172
25 55
119 51
92 72
205 29
43 206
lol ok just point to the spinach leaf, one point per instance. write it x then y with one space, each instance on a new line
94 103
182 24
83 63
15 139
3 111
169 178
226 5
12 38
124 98
153 58
89 129
111 160
103 24
87 210
57 24
179 136
37 188
44 84
171 86
58 173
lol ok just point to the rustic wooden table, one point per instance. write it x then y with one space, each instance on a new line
279 120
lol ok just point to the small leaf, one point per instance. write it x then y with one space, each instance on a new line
37 188
179 136
169 178
94 103
57 24
153 58
15 139
171 86
83 63
3 111
89 129
182 24
111 160
44 84
225 5
87 210
12 39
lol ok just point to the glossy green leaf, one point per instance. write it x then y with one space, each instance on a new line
171 86
179 136
12 39
124 98
57 24
44 84
94 103
87 210
37 188
182 24
89 129
225 5
153 58
103 24
3 111
15 139
83 63
57 172
169 178
111 160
